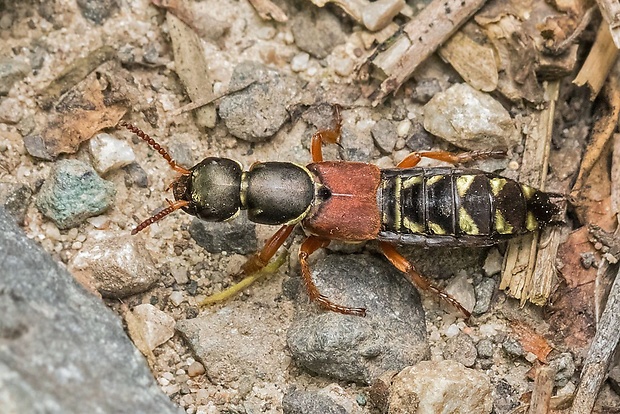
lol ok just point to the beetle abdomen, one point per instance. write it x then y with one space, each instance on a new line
453 206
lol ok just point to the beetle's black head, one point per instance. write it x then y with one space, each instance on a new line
212 189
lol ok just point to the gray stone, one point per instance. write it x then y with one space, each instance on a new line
259 109
240 342
470 119
11 71
11 111
485 348
352 348
15 198
440 387
513 348
73 192
564 365
384 134
461 349
135 175
493 262
310 402
234 236
317 31
425 89
61 349
117 267
97 11
355 146
506 398
485 289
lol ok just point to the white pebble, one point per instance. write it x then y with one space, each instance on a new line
452 331
299 63
403 127
109 153
176 298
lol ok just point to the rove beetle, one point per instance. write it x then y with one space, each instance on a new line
354 202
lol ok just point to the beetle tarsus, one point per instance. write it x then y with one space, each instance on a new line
309 246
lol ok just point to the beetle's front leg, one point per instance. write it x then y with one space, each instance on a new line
326 136
256 266
417 279
414 158
309 246
260 260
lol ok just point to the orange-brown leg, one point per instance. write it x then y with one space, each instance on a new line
417 279
260 260
414 158
326 136
309 246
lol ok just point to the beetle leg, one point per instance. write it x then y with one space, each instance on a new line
260 260
417 279
414 158
326 136
309 246
257 266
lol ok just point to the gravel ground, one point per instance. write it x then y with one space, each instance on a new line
267 350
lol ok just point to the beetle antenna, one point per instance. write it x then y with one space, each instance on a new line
172 207
144 136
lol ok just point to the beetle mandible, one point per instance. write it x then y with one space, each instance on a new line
354 202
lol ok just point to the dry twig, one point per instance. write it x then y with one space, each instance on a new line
268 10
610 9
529 272
543 388
418 40
600 353
599 62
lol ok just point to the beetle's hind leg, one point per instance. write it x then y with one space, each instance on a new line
417 279
256 266
414 158
309 246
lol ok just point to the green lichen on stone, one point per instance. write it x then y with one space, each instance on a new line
73 192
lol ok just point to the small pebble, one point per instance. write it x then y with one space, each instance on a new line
195 369
73 192
109 153
156 326
403 128
470 119
493 262
176 298
377 15
11 111
299 63
513 348
485 348
452 331
117 267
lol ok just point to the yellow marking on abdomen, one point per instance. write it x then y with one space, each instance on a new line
530 221
413 226
501 225
435 178
463 183
397 206
466 223
497 184
436 228
411 181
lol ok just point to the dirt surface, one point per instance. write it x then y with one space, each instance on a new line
295 79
